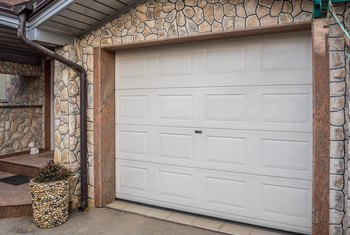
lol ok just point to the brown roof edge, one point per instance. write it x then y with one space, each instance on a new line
13 2
6 8
7 5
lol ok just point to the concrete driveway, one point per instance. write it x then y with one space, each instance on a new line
102 221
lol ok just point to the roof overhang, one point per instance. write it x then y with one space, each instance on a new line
60 21
56 23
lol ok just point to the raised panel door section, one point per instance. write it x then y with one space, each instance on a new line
273 200
266 108
279 60
132 106
225 59
286 154
226 192
268 201
286 201
175 145
265 153
285 55
226 107
175 184
132 67
222 149
287 108
175 63
177 107
132 143
132 178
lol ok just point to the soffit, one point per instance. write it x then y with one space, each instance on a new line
55 23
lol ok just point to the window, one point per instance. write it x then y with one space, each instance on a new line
2 87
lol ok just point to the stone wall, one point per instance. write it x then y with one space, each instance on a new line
21 117
67 121
157 20
346 221
339 120
20 69
152 20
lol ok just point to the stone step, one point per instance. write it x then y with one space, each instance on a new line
15 200
25 164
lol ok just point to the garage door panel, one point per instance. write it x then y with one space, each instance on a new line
177 146
133 178
132 67
175 63
289 203
236 194
247 61
132 106
226 192
286 55
226 107
250 152
175 107
133 143
175 184
279 108
226 150
273 202
225 58
286 154
287 108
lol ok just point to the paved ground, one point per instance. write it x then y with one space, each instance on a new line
102 221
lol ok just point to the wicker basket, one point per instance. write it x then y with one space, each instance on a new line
50 203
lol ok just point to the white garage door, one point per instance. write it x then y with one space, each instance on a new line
221 128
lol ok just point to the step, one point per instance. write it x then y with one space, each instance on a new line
15 200
24 164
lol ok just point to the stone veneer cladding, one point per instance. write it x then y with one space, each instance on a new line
339 158
162 19
21 117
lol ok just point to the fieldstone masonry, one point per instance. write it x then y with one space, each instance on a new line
162 19
156 20
339 120
21 117
67 121
20 69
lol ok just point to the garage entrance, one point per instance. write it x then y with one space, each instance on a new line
221 128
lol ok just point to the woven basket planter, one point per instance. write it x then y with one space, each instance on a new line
50 203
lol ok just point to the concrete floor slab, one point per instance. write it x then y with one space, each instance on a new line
209 223
103 221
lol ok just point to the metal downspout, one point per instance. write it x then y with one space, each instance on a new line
24 11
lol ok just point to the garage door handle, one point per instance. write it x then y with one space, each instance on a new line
198 132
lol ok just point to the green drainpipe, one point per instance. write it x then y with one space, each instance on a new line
321 7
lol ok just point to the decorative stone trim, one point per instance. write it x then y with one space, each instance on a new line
50 203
